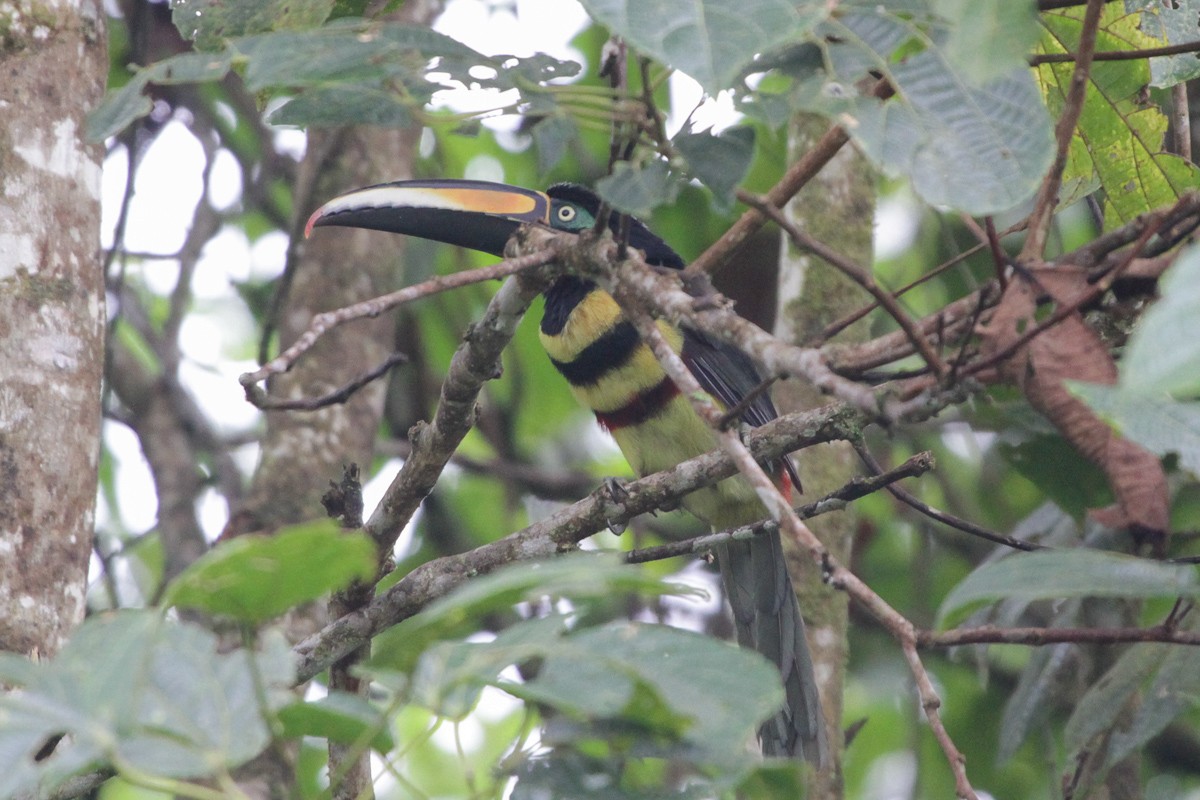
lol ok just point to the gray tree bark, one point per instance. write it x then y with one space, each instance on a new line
54 60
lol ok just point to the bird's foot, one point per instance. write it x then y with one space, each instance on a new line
617 494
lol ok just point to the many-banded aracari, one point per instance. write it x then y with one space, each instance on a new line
615 374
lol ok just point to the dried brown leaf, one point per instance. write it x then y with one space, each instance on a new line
1071 350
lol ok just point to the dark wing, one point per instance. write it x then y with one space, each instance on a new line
729 375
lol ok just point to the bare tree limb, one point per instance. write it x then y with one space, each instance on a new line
834 501
563 530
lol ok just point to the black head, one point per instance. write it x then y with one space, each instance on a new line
574 208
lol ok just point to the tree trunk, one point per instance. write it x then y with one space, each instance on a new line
53 59
837 207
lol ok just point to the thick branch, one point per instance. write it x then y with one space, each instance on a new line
563 529
476 361
989 634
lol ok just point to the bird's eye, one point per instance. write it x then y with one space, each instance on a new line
565 213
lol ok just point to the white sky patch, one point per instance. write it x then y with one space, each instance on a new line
268 257
484 168
219 394
166 190
966 442
212 512
228 248
897 218
291 142
112 187
520 28
132 482
225 181
716 113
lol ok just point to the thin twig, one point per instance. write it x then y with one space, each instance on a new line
966 526
1181 121
836 500
1117 55
328 320
260 399
793 181
857 274
1047 197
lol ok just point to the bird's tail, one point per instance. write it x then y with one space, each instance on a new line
767 618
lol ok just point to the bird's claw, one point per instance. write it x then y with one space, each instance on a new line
617 494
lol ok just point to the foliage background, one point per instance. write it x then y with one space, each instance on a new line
189 314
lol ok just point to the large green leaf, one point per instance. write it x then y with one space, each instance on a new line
255 577
1057 574
664 681
1118 141
208 23
1161 425
710 40
341 105
583 578
979 147
122 106
338 717
1105 701
1174 689
133 690
638 190
348 51
988 38
1163 355
720 161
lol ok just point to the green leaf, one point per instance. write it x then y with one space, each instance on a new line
1119 139
710 40
349 51
582 577
1049 575
339 717
1175 689
551 136
772 780
191 68
981 148
719 162
121 107
118 109
988 38
1160 425
208 23
254 578
134 689
664 681
1163 354
1177 22
352 104
1106 700
1049 461
639 191
724 691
